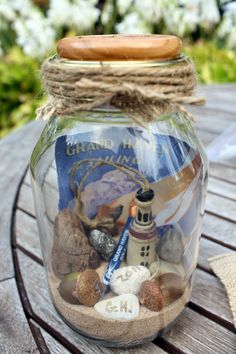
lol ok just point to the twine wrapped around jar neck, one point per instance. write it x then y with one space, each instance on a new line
142 92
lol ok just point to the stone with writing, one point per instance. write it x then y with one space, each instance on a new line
128 280
123 307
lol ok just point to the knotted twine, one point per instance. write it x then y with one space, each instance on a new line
143 93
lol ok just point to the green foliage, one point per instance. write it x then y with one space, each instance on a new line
213 65
20 90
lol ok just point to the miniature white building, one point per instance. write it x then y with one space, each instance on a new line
142 232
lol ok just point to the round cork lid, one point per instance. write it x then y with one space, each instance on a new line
119 47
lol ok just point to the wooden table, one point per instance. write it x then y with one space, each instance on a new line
28 321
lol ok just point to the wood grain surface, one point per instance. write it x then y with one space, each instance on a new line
28 320
119 47
13 162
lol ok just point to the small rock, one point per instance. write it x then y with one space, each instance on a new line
67 287
171 285
89 288
103 243
127 280
155 267
166 267
170 247
123 307
150 296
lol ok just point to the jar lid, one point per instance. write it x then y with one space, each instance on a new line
119 47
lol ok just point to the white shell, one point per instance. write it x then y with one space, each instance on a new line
123 307
128 280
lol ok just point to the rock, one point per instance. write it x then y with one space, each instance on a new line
127 280
150 296
103 243
171 285
71 251
155 267
67 287
170 247
123 307
89 288
166 267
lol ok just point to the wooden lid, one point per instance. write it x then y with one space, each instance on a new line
119 47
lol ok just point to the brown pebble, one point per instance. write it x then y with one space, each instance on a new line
171 285
89 288
150 296
67 287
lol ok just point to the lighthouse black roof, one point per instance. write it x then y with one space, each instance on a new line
145 196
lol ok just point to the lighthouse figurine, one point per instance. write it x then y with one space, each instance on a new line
142 241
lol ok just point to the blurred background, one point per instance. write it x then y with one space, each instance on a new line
29 30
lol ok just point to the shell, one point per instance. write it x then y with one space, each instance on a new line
89 288
150 296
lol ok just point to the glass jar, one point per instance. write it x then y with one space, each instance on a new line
119 210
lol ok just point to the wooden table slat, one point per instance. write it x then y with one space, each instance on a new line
15 334
196 334
46 342
13 162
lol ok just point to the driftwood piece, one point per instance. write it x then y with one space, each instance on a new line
71 251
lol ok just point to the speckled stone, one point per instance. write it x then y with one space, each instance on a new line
103 243
150 296
89 288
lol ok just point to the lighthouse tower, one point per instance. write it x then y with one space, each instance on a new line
142 232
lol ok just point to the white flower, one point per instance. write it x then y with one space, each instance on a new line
209 14
133 24
107 12
59 12
84 15
123 6
6 11
80 14
227 28
34 34
150 10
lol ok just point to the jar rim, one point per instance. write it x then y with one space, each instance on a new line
121 63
